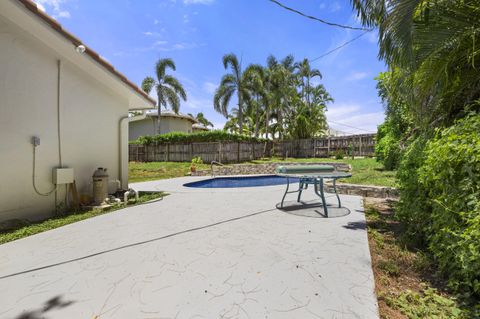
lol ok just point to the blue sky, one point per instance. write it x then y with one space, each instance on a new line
133 34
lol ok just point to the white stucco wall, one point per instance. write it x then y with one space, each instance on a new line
90 115
168 124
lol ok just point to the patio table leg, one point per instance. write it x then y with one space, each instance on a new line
319 183
286 192
335 190
300 189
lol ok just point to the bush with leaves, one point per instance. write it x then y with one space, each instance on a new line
387 148
413 209
210 136
451 176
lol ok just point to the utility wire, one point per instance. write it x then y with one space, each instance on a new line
318 19
340 46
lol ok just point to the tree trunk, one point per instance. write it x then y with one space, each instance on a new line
159 112
240 111
257 119
267 119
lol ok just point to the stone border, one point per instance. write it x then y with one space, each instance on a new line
269 168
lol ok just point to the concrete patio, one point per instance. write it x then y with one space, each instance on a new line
198 253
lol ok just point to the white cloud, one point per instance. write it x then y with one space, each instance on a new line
55 6
154 33
207 2
356 76
335 6
156 21
186 18
197 104
210 87
349 118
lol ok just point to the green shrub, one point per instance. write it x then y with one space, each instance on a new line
339 154
451 174
197 160
210 136
387 148
413 209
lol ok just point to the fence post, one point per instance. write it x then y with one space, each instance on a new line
360 146
238 152
168 152
220 151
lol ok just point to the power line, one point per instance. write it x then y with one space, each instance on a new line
357 128
318 19
340 46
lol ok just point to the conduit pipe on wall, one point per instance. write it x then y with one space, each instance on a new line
123 146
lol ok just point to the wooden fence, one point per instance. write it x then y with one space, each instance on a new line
361 145
234 152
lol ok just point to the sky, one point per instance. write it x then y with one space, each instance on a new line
133 34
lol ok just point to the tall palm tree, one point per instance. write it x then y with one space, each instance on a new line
230 83
435 44
306 74
254 77
169 90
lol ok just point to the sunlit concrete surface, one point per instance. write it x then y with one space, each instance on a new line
198 253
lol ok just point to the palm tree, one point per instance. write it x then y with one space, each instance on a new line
434 45
169 90
254 77
306 74
202 119
230 83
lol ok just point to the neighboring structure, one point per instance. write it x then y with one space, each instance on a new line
56 89
199 127
169 122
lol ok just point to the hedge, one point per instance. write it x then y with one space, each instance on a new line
439 180
210 136
451 174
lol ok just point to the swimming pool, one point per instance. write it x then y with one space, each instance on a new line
244 181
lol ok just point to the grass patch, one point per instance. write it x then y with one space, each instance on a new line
28 229
141 172
405 280
366 171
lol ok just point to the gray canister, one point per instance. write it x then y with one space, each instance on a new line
100 185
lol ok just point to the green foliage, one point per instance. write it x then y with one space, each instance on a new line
208 136
387 148
413 208
278 99
451 176
339 154
26 229
427 304
197 160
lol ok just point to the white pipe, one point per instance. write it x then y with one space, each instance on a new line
123 147
127 193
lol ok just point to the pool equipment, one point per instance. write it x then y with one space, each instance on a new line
100 185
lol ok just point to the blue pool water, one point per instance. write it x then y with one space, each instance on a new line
248 181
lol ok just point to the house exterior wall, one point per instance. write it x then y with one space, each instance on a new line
89 117
168 124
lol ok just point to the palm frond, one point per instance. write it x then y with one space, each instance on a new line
161 67
148 84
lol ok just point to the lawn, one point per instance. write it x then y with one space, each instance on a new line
141 172
29 229
366 171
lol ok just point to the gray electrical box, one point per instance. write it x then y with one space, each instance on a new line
62 176
35 140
